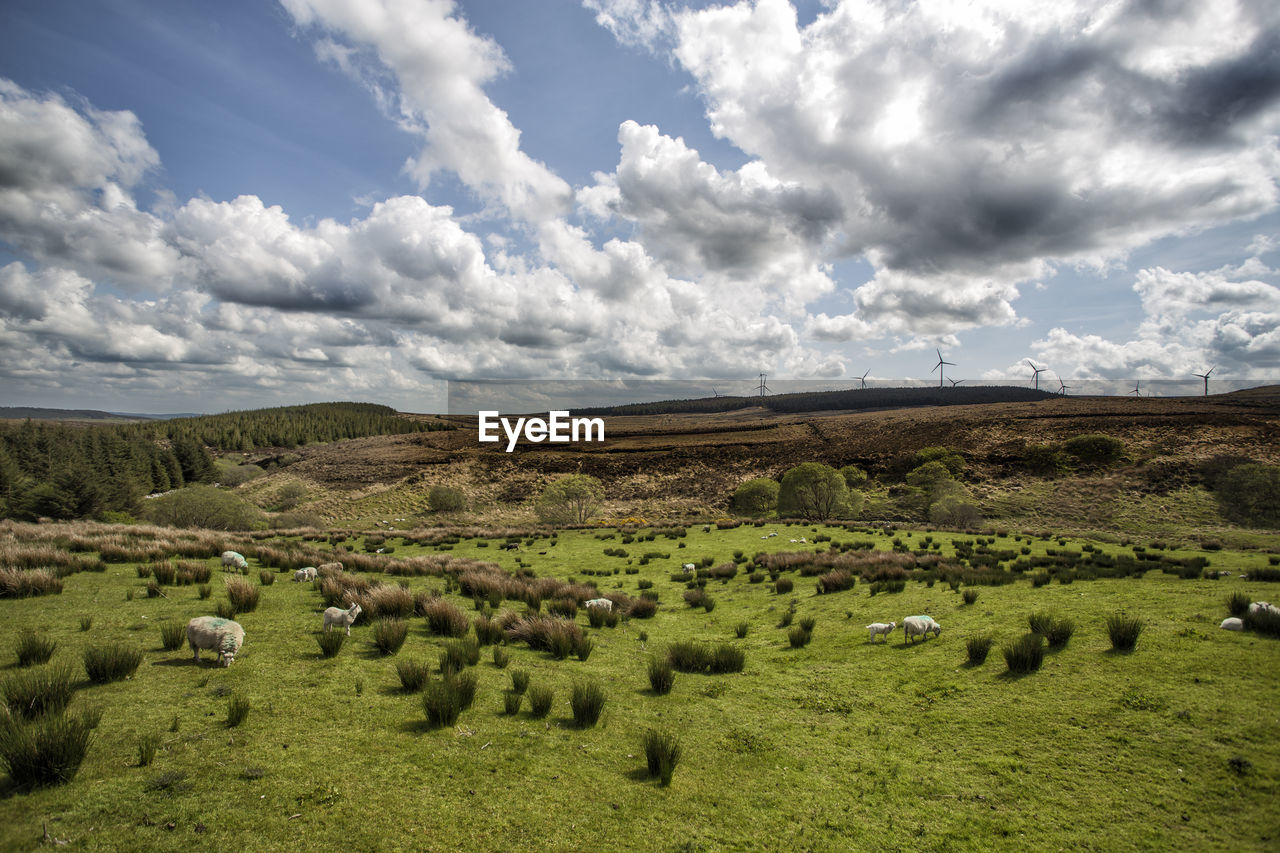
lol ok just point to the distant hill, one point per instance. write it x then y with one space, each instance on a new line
40 414
859 399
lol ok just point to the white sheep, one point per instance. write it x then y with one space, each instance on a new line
920 626
330 567
213 633
341 618
1232 623
1258 607
305 574
688 567
883 628
602 603
231 558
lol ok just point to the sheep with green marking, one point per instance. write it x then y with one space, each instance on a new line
235 560
215 634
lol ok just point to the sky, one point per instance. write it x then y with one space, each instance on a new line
216 206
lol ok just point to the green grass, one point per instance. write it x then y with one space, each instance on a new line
836 745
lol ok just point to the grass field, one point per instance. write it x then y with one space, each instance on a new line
838 745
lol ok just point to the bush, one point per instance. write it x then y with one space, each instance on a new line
242 594
511 701
969 596
519 680
413 675
540 700
1094 449
1250 494
1025 654
662 676
103 664
755 497
446 499
33 649
48 751
978 647
237 710
331 642
389 635
38 692
1123 631
799 637
662 753
172 635
813 491
444 619
571 499
586 701
204 506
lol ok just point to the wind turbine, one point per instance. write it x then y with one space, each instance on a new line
938 367
763 389
1035 372
1205 377
1137 388
1062 386
955 382
863 378
714 392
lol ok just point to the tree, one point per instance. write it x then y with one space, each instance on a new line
446 499
1250 494
853 476
572 499
1095 449
929 475
948 457
755 497
204 506
813 491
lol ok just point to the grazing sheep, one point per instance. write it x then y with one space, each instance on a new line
920 626
1232 623
329 567
231 558
883 628
688 567
305 574
773 534
603 603
213 633
1262 607
341 618
511 546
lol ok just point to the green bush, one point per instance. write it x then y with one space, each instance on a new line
662 753
662 676
34 649
446 499
587 701
37 692
813 491
331 642
389 635
571 499
1123 631
172 635
1094 450
45 752
1025 654
103 664
540 700
755 497
204 506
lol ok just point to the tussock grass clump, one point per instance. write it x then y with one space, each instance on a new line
34 649
45 752
86 622
330 642
519 680
783 586
38 692
662 676
445 619
1123 631
978 648
164 573
266 578
969 596
511 702
242 594
441 703
28 583
727 658
785 621
662 753
103 664
642 608
583 647
500 657
459 654
688 656
237 710
1238 604
413 675
389 635
1264 621
204 591
488 630
147 746
1060 632
799 637
741 629
172 635
586 701
834 581
546 633
1025 654
540 697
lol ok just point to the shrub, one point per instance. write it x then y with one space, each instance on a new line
103 664
1025 654
446 499
540 700
571 499
203 506
172 635
500 657
519 680
799 637
741 630
389 635
413 675
755 497
1123 631
813 491
33 649
147 746
978 647
662 753
45 752
586 701
661 676
331 642
511 701
1094 449
783 585
242 595
444 619
237 710
38 692
969 596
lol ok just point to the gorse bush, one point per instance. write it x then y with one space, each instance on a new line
977 648
172 635
48 751
37 692
662 753
1123 631
662 676
331 642
586 701
413 675
34 649
107 663
389 635
540 698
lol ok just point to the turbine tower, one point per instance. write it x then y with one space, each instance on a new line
955 382
863 378
1137 388
1205 377
938 367
1035 372
762 388
1062 386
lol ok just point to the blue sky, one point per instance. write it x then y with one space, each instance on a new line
214 206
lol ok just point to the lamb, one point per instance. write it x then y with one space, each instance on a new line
920 626
883 628
305 574
213 633
1232 623
603 603
329 567
341 618
231 558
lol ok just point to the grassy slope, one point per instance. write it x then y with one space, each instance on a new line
840 745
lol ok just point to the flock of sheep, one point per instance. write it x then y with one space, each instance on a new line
1235 623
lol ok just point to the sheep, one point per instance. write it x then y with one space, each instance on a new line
341 618
883 628
920 626
1260 607
305 574
1232 623
213 633
602 603
688 567
231 558
511 546
329 567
